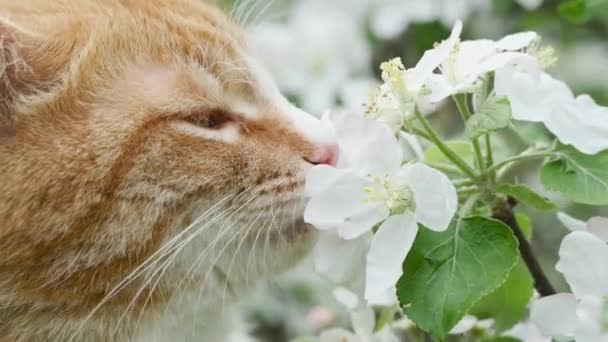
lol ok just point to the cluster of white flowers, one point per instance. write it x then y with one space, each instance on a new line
583 314
370 206
518 62
372 186
329 44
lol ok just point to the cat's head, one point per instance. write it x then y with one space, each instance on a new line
144 132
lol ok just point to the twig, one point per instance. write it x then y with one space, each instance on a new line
504 213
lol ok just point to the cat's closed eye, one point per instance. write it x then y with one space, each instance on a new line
211 119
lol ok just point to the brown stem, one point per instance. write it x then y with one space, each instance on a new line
504 213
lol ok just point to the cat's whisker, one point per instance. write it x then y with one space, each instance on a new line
243 12
162 269
237 9
145 265
268 232
251 258
199 261
209 247
238 248
260 15
212 266
177 250
218 237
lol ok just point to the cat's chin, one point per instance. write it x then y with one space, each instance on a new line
299 229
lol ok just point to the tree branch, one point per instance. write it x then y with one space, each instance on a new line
504 213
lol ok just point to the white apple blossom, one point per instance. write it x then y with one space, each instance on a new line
582 314
538 97
526 331
403 90
470 60
371 187
461 65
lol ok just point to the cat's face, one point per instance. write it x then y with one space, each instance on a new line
144 132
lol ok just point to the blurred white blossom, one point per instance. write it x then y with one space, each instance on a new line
528 332
363 322
530 4
582 314
597 226
318 50
582 65
468 323
391 17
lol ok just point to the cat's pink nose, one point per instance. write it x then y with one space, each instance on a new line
326 154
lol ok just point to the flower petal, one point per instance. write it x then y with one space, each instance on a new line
339 260
410 146
516 41
363 321
390 245
580 123
339 335
366 145
467 323
386 299
321 177
342 205
555 315
582 260
389 20
346 297
532 97
440 88
434 195
432 59
589 313
503 59
571 223
363 221
527 332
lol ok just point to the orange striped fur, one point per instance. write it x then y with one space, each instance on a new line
146 160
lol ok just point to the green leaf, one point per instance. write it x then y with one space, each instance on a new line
463 149
386 317
501 339
447 272
494 114
525 224
575 11
577 176
508 304
527 196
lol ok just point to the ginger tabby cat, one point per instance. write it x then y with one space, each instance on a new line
150 171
